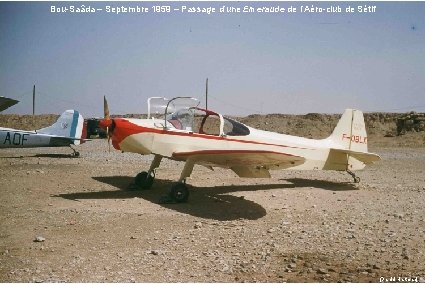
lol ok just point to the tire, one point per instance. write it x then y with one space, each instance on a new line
143 180
179 193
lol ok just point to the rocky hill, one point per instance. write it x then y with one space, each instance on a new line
381 127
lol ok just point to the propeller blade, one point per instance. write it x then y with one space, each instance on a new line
107 118
105 108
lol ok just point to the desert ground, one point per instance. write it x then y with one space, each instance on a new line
67 219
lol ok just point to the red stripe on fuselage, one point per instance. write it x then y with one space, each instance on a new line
218 152
124 128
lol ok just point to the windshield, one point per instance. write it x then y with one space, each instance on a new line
179 103
157 106
181 119
179 112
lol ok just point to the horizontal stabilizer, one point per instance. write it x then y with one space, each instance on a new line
364 157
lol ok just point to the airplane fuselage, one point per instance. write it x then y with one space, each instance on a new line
14 138
147 136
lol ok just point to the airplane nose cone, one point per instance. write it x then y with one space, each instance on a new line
105 123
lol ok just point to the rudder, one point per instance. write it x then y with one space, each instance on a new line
350 132
69 124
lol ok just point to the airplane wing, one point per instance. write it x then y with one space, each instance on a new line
6 103
245 163
251 172
61 137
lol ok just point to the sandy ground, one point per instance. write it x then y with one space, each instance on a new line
297 226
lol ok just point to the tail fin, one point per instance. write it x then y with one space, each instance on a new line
69 124
349 143
350 132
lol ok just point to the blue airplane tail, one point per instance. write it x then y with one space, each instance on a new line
69 124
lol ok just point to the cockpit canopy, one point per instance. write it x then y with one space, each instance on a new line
159 106
183 113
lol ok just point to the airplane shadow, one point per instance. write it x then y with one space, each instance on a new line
55 156
58 156
322 184
207 202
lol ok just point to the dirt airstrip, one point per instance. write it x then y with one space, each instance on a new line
69 219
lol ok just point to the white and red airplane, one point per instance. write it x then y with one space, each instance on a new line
199 136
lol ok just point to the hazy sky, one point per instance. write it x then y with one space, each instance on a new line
256 62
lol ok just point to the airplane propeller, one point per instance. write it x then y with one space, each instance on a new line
107 123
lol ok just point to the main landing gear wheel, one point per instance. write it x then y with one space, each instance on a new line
179 192
144 180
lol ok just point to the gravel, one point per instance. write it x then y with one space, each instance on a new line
289 228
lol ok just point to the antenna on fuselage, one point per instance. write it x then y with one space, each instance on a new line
33 106
206 94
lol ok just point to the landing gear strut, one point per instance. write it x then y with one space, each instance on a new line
178 193
356 178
